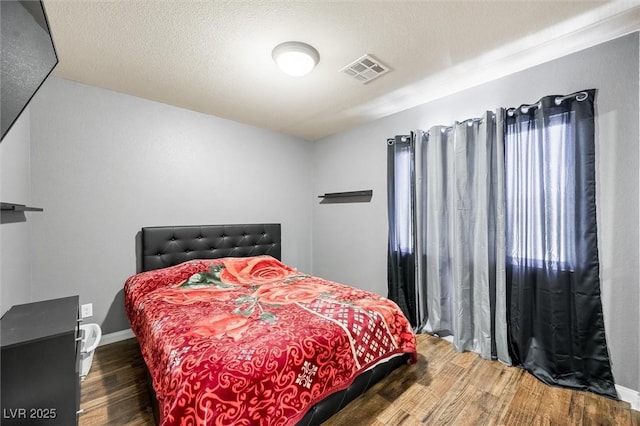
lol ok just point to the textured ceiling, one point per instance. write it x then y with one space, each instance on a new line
215 56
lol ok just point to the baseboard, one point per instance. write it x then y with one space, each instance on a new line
116 337
629 395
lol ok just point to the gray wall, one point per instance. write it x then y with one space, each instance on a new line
106 164
357 160
15 179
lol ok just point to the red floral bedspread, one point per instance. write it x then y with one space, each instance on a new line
251 341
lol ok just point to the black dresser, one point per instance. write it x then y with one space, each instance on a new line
40 358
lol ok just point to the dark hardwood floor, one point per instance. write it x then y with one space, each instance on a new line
443 388
115 392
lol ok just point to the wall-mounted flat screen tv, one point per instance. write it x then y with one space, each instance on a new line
27 55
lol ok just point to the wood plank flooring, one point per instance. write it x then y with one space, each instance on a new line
115 390
443 388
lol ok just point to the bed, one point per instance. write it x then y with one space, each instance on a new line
231 335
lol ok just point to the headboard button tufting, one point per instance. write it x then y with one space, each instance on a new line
167 245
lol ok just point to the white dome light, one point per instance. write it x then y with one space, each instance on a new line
295 58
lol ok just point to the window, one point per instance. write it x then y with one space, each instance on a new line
539 195
403 191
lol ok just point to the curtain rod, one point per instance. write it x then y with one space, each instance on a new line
403 138
580 96
469 122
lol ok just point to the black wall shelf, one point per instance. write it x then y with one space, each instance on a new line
367 193
347 197
11 207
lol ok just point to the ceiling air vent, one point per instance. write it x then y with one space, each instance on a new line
365 69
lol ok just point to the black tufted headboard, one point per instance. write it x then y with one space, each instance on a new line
163 246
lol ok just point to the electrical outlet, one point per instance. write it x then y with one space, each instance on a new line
86 310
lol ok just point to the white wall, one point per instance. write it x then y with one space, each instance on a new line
350 240
15 179
106 164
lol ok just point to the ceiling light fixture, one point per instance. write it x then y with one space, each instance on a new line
295 58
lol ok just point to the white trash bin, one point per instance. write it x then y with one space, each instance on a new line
91 336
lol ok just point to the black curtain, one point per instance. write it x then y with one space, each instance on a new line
401 263
556 325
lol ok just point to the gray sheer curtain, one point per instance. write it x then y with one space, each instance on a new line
461 219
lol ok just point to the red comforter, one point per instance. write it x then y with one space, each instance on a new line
248 341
